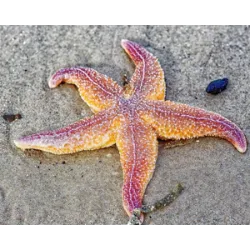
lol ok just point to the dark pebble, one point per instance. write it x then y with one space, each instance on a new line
11 117
217 86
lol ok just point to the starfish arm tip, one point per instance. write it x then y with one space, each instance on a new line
124 41
242 148
238 140
52 83
26 142
16 142
19 143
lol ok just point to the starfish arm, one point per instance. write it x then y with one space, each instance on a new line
180 121
97 90
87 134
137 145
148 78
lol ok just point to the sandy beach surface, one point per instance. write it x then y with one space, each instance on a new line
85 188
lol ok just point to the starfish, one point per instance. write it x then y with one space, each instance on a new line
133 118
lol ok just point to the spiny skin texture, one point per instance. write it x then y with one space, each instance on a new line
133 117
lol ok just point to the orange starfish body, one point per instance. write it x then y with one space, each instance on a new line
132 117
